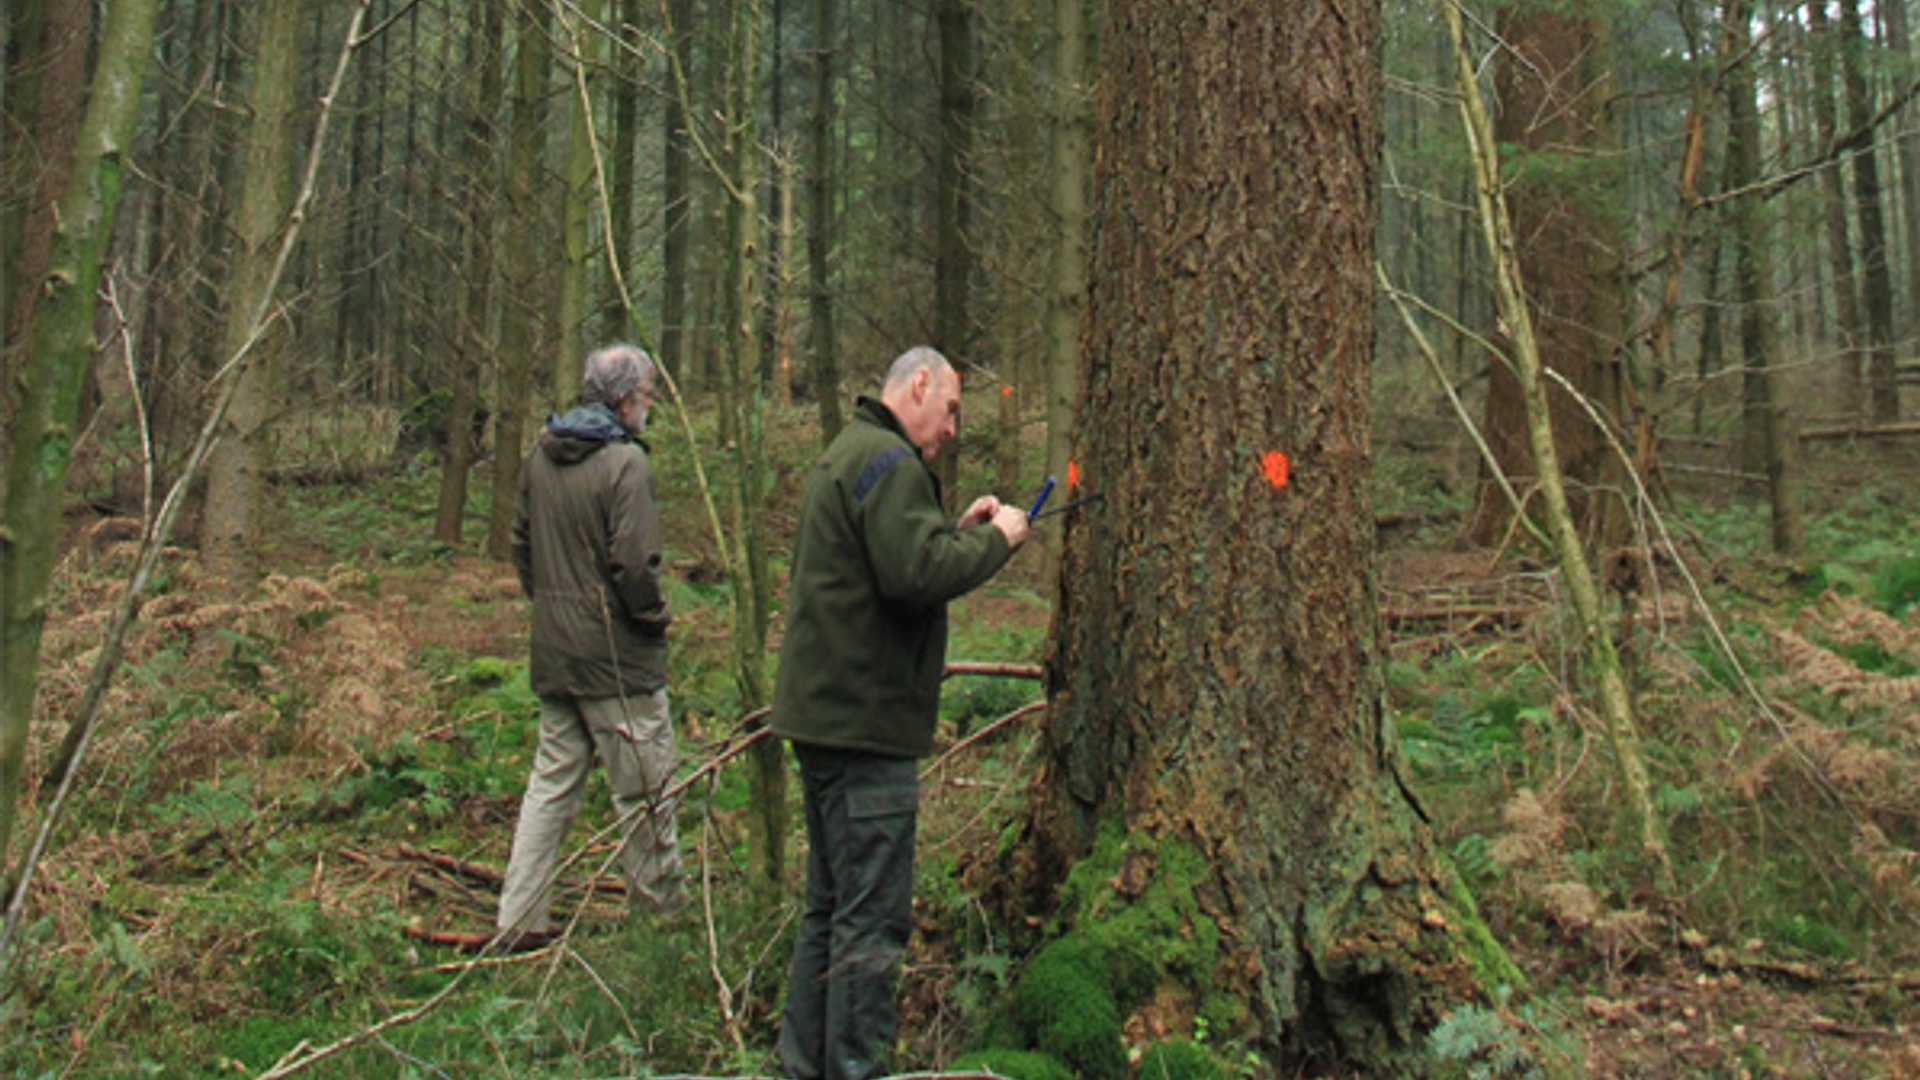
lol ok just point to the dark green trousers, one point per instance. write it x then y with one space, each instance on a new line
839 1020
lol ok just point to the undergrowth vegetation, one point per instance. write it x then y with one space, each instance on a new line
298 784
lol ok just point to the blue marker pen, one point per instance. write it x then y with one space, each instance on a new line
1040 500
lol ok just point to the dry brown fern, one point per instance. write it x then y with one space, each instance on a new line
1848 620
1891 868
1533 831
1835 676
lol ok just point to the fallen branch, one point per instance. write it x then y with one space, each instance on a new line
1016 714
1507 614
1005 671
1854 431
464 940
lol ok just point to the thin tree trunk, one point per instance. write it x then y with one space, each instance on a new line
184 323
474 341
823 226
954 263
752 586
706 342
1018 256
1765 427
40 446
1907 147
782 283
519 332
1850 387
1603 660
578 28
48 87
1712 350
1883 385
624 153
1553 89
676 199
953 258
236 471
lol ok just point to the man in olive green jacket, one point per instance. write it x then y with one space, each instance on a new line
874 563
586 544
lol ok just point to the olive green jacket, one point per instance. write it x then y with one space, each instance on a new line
875 561
586 544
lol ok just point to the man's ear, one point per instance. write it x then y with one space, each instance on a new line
921 380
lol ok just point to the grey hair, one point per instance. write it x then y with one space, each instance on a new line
913 361
614 373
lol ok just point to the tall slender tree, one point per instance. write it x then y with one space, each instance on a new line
40 441
746 392
623 158
236 471
1876 280
1765 434
1552 83
822 223
953 165
520 317
475 335
586 45
1899 57
44 89
676 194
1833 196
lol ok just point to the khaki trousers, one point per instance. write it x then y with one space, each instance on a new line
634 738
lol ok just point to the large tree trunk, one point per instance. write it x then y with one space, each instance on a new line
1216 672
1551 83
236 470
40 441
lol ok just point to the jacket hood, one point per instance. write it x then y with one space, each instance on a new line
580 432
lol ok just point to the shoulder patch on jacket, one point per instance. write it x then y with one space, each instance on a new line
876 469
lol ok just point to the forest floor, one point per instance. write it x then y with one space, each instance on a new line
298 785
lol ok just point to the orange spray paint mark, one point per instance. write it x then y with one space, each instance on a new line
1006 391
1274 467
1073 475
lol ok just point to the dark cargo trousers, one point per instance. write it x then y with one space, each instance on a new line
839 1019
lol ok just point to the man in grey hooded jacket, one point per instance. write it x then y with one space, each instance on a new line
586 545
